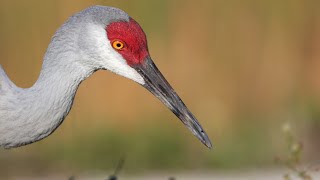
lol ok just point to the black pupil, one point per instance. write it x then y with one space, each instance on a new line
118 45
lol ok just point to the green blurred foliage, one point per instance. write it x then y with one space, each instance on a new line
242 67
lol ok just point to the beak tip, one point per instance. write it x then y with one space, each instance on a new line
208 143
205 140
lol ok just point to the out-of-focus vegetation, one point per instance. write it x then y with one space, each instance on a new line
293 158
242 67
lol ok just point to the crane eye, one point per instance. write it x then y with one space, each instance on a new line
118 45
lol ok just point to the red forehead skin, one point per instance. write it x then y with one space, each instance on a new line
136 48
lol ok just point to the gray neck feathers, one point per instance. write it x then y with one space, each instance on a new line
28 115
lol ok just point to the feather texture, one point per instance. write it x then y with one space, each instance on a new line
79 48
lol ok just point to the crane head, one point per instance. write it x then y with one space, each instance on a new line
121 47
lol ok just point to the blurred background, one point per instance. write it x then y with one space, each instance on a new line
244 68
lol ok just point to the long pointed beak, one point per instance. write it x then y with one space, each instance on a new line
159 86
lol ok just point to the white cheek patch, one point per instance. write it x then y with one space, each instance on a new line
109 58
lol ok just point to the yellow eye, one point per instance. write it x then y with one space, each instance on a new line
118 45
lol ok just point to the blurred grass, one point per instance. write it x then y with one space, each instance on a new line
243 68
149 148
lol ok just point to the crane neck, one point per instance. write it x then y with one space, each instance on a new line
31 114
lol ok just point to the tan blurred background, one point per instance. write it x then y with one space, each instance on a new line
244 68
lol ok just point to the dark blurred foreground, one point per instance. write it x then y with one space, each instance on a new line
244 175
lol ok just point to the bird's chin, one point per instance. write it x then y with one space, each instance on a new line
155 82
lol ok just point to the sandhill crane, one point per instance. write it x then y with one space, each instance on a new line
96 38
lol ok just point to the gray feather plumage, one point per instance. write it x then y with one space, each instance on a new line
29 115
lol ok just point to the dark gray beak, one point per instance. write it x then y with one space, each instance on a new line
159 86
